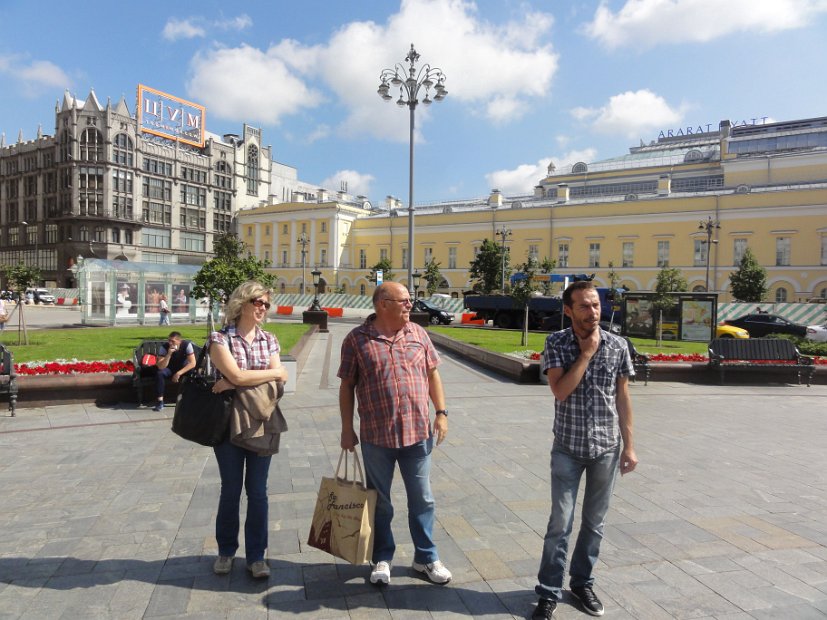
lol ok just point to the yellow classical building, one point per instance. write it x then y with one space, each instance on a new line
757 186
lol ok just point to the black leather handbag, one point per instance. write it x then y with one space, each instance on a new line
200 415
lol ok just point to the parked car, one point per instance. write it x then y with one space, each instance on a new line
759 325
40 296
730 331
436 316
817 333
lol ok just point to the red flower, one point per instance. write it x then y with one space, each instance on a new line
73 368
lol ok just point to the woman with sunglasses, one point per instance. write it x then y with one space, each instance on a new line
245 355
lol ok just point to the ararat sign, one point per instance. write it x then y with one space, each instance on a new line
691 131
170 117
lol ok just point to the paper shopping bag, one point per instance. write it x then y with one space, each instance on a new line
343 519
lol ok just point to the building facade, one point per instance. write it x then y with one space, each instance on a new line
694 201
106 186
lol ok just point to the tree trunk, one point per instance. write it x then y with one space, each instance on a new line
660 327
524 342
22 332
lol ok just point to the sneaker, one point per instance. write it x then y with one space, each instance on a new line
381 573
159 406
588 599
544 610
435 571
223 565
259 569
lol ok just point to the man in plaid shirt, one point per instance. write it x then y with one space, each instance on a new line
390 366
588 371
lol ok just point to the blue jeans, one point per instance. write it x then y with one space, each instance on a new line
164 318
161 376
231 464
566 472
415 467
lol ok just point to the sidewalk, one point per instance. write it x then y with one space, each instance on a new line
105 513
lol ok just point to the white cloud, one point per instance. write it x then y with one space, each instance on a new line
646 23
523 178
176 29
34 76
241 22
631 114
495 70
358 184
246 83
319 133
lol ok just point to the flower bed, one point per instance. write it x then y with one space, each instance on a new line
666 357
73 367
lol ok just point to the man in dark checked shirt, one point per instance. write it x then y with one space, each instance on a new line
390 366
588 371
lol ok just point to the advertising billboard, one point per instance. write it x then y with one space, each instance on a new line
170 117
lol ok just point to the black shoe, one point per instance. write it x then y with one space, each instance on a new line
588 599
545 608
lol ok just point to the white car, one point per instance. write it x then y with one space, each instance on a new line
817 333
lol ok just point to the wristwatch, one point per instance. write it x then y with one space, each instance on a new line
442 411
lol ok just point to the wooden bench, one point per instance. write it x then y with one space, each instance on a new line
144 376
8 377
759 353
640 362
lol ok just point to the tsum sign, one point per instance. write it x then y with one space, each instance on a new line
170 117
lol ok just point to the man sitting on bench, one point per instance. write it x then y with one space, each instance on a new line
174 361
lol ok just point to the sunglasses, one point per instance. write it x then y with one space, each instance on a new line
260 303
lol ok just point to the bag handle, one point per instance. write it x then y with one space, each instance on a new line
357 464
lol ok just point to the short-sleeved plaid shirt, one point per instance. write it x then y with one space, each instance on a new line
586 423
248 356
391 377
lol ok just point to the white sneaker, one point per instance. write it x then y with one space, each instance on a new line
381 573
435 571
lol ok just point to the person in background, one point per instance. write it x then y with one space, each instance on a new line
163 310
390 365
244 355
175 359
3 315
588 372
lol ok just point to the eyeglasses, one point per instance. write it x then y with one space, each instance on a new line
260 303
405 302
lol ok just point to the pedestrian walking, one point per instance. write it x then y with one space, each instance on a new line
588 371
389 366
163 310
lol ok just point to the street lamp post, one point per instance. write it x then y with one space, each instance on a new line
316 278
709 225
504 233
410 83
303 239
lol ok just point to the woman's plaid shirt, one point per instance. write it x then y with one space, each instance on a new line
586 424
248 356
391 377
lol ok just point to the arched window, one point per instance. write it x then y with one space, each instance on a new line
84 233
91 145
780 295
823 293
123 150
579 168
698 288
282 287
252 170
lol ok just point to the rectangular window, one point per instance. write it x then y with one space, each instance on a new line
663 253
284 229
782 251
824 250
739 246
428 255
699 256
323 257
324 227
193 242
594 255
284 258
628 253
383 253
363 260
404 258
452 258
156 238
563 255
533 252
267 230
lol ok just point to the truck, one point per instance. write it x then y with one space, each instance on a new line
544 312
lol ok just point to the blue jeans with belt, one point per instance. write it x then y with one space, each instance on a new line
232 461
566 473
415 467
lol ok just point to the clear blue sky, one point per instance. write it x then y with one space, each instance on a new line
529 81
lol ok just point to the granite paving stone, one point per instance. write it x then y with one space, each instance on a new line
107 514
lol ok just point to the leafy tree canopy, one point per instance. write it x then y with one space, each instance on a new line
670 280
385 267
749 281
21 276
233 265
433 276
487 267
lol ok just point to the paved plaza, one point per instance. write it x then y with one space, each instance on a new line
105 513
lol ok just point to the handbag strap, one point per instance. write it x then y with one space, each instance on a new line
357 464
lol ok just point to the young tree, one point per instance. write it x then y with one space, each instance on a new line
385 267
670 280
19 278
749 281
487 268
433 276
233 265
547 266
524 289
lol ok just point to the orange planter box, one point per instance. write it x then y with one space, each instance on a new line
284 310
334 311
